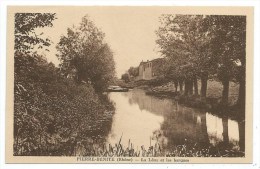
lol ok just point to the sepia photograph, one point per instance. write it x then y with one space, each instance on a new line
129 84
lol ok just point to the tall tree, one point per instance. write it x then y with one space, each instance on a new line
83 49
24 30
184 39
26 38
229 41
30 70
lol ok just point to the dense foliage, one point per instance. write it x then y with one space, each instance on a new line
84 53
199 46
125 77
52 113
133 71
24 30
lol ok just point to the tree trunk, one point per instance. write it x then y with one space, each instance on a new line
242 95
225 129
205 135
204 85
186 87
225 92
181 85
242 86
176 85
241 127
195 83
190 87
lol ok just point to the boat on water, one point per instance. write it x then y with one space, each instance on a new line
117 89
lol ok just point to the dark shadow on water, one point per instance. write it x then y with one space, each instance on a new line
183 125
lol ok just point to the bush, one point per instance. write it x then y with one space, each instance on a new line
51 112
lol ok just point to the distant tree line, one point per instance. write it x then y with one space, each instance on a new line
131 73
204 47
125 77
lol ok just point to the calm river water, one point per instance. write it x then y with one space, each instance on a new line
145 120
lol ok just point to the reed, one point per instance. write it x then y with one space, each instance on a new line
156 150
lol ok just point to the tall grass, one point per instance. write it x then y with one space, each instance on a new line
156 150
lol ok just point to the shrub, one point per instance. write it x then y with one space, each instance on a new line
52 112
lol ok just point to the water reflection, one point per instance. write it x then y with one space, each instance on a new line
214 129
222 130
132 122
145 119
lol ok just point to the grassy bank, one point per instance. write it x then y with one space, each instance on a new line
212 102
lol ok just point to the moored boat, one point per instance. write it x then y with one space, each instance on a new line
117 89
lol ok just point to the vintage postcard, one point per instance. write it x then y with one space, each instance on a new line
129 84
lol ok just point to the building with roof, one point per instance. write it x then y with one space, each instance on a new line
150 69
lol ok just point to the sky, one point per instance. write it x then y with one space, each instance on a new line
130 32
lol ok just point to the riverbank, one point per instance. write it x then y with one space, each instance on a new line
51 111
211 104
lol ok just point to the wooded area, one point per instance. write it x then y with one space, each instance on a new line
56 107
204 47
